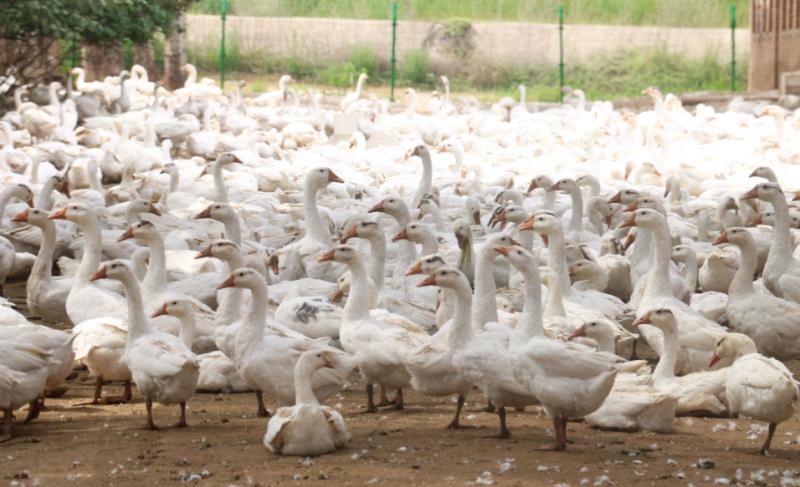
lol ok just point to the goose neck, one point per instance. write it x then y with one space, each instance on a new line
357 306
658 284
557 261
531 318
219 182
45 199
576 219
92 249
137 319
155 280
665 369
690 272
426 183
186 335
233 228
314 226
461 330
43 265
742 282
303 391
253 329
484 306
429 243
230 300
782 238
377 245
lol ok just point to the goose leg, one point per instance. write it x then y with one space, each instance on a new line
560 429
504 433
489 407
182 421
765 449
150 425
33 411
262 410
98 390
384 398
8 422
454 424
127 394
370 401
398 400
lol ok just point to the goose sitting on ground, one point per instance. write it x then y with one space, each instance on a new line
307 428
757 387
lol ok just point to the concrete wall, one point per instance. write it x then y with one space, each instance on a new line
498 43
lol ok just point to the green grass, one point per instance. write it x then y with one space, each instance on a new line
688 13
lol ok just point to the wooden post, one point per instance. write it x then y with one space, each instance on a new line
175 54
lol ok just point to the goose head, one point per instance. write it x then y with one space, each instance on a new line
544 223
320 177
419 150
362 229
415 232
224 250
511 213
517 256
217 211
736 235
683 253
647 201
22 192
141 230
180 308
540 181
33 216
344 254
625 196
661 318
764 172
244 278
451 145
447 277
584 269
391 205
426 265
567 185
115 269
732 346
316 359
74 212
60 183
765 192
597 330
139 206
645 218
463 233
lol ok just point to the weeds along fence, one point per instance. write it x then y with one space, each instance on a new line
606 61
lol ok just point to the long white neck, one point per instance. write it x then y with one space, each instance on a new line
429 243
8 134
576 220
426 183
742 282
315 228
658 283
45 199
555 300
531 319
92 249
461 330
458 153
557 261
357 306
137 319
377 264
605 342
360 86
219 182
155 280
233 228
230 299
484 306
690 272
191 78
174 179
252 331
665 369
780 250
436 214
43 265
186 335
303 391
702 226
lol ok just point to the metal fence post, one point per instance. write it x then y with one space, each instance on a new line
733 46
223 11
394 47
561 53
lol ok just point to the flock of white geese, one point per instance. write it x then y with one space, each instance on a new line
199 240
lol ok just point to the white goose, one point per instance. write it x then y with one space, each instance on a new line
23 372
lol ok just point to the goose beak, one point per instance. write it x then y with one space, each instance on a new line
229 282
329 364
414 269
545 240
580 332
723 238
630 222
58 215
336 296
527 224
632 207
428 281
273 265
206 252
753 193
643 320
608 221
160 311
502 250
333 178
125 236
759 220
754 174
497 218
796 196
617 198
401 235
326 257
377 208
204 172
554 187
101 274
350 233
629 239
20 217
204 214
64 188
154 210
532 186
572 270
440 148
713 360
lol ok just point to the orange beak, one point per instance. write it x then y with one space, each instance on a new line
229 282
154 210
532 186
629 239
502 250
440 148
632 207
401 235
204 214
350 233
333 178
580 332
329 365
608 221
273 265
723 238
571 270
642 320
753 174
753 193
59 215
326 257
414 269
206 252
527 224
336 296
101 274
377 208
125 236
497 218
545 240
428 281
160 311
64 188
617 198
554 187
713 360
759 220
20 217
630 222
796 196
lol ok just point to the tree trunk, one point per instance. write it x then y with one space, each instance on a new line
143 55
175 54
102 61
